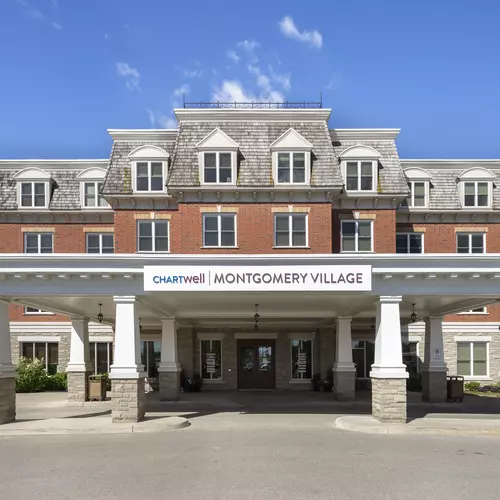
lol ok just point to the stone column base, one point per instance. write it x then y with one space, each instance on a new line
78 387
7 400
389 399
170 385
128 400
344 385
434 386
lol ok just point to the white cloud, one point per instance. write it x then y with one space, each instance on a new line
233 55
131 75
285 80
193 73
57 26
232 90
288 28
159 120
249 47
37 15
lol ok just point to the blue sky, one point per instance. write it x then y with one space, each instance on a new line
73 68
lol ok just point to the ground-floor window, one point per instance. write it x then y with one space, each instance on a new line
151 357
472 359
410 356
363 356
211 359
302 359
101 356
46 351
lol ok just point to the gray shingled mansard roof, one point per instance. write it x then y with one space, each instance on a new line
255 160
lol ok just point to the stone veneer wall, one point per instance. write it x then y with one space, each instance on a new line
128 400
78 387
7 400
389 399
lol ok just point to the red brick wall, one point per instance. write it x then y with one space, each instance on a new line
492 310
255 229
441 238
383 229
17 314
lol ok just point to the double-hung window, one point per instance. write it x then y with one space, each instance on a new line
33 194
153 236
418 194
38 243
211 359
101 356
217 168
302 359
219 230
357 236
409 243
471 242
359 175
472 359
292 168
149 176
92 196
290 230
35 310
476 194
100 243
46 351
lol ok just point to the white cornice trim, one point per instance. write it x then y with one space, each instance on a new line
238 114
450 163
372 134
39 338
54 164
143 134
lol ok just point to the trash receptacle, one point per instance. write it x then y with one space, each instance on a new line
97 387
455 388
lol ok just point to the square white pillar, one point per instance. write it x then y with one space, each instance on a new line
7 369
128 398
388 372
434 369
344 371
79 366
170 368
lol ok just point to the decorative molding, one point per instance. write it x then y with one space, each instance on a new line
240 114
143 134
40 229
291 140
39 338
355 134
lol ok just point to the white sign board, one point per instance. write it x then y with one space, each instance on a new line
257 278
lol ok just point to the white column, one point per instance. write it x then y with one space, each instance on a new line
169 347
434 369
79 355
127 356
388 372
344 371
388 344
7 369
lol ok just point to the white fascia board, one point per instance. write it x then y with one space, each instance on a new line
368 134
451 163
143 134
244 114
54 164
38 338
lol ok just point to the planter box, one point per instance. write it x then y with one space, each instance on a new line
97 388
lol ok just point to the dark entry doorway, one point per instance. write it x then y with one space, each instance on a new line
256 364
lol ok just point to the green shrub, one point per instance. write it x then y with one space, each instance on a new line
472 386
31 375
108 380
57 382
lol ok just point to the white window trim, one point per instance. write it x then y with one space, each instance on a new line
164 172
374 163
153 233
217 154
408 234
211 339
475 182
307 338
290 231
479 313
100 241
109 346
307 166
32 182
219 229
411 199
40 313
98 195
356 236
46 342
470 242
471 340
39 235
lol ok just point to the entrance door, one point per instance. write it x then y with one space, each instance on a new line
256 364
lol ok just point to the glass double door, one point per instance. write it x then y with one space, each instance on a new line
256 364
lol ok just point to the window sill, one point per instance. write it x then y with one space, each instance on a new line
300 381
470 378
218 248
357 193
358 251
288 248
39 314
144 252
213 381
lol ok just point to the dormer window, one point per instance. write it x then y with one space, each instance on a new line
218 155
33 188
91 183
476 188
419 181
291 154
217 168
149 169
359 165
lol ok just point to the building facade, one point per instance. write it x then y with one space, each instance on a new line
261 187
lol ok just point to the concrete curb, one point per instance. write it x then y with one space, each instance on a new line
163 424
369 425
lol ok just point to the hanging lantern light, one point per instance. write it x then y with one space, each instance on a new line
100 316
256 317
413 316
